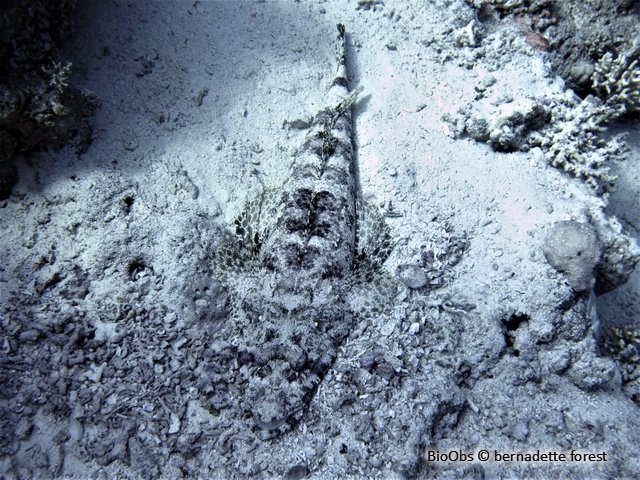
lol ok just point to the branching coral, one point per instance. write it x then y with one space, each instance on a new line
570 132
574 142
37 106
48 104
618 80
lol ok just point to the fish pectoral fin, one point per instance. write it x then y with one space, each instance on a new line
253 223
373 237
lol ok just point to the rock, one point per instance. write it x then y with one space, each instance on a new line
574 249
174 427
412 276
76 430
297 472
591 373
29 335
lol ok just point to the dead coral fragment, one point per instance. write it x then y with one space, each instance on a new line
506 5
513 123
521 7
618 79
369 4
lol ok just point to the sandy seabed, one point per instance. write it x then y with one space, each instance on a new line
115 324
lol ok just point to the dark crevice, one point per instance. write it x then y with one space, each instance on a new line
511 325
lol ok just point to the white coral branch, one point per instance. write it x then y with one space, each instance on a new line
619 80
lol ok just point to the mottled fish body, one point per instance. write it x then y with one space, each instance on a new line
314 234
293 273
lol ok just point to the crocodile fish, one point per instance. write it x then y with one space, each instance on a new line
297 267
